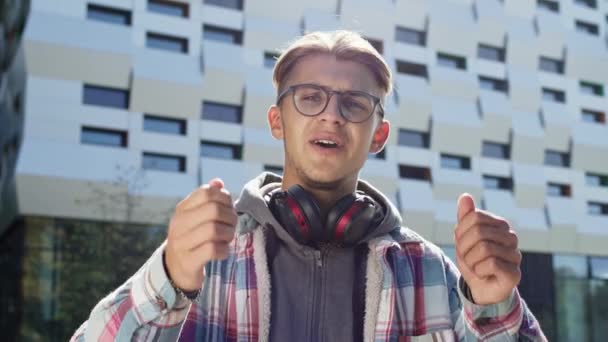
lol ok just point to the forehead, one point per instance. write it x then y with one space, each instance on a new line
338 74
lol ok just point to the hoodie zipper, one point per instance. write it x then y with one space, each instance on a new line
318 294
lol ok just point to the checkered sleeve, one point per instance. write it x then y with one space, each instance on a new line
144 308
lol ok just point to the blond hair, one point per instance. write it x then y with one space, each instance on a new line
344 45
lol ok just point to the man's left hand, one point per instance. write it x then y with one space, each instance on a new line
486 253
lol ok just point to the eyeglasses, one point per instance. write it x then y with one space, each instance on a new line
311 100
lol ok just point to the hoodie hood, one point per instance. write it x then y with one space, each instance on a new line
251 202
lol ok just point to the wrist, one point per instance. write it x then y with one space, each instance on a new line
187 293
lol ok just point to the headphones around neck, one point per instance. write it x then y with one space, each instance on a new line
347 222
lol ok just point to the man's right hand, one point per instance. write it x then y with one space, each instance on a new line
200 230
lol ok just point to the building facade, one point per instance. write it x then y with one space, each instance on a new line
133 104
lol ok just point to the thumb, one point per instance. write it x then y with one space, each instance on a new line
466 204
216 183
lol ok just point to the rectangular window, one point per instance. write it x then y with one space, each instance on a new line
594 179
551 65
224 35
166 42
413 138
177 9
274 169
551 6
497 182
585 27
164 125
415 172
270 58
163 162
410 36
491 53
572 266
232 4
450 161
586 3
593 116
222 112
554 95
495 150
413 69
108 15
105 96
494 84
451 61
556 158
559 190
599 267
217 150
591 88
597 208
377 44
104 137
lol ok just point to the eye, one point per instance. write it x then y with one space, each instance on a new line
352 103
313 97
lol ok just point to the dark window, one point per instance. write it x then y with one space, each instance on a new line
491 52
497 182
585 27
494 84
105 96
109 15
165 42
220 150
591 88
163 162
415 172
556 158
586 3
413 69
233 4
551 65
270 58
551 6
451 61
495 150
377 44
410 36
222 112
450 161
559 190
599 267
178 9
104 137
597 208
413 138
164 125
554 95
594 179
221 34
274 169
380 155
593 116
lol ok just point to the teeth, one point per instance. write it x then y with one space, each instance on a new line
325 142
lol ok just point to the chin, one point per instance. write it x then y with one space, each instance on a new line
321 180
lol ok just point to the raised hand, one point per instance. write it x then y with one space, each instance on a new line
486 253
199 231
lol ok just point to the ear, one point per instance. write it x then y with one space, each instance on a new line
380 136
275 122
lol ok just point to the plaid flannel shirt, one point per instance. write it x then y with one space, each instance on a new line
412 294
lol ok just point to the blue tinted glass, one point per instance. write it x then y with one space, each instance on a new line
103 96
163 42
454 162
221 34
412 138
102 137
153 161
234 4
570 265
109 15
599 267
495 150
164 125
451 61
168 8
221 112
410 36
490 182
220 151
556 158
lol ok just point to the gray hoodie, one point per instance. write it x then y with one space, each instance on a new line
316 294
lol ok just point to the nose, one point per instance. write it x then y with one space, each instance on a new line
332 111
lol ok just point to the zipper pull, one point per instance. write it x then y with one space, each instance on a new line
319 258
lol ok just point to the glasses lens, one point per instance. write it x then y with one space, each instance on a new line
309 99
356 107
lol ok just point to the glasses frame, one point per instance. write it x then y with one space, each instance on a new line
330 92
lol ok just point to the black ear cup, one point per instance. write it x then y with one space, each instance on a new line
347 222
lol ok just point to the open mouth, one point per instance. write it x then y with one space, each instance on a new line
325 143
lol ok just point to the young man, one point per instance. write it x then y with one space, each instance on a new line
319 255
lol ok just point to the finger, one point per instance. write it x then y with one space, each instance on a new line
185 221
507 238
485 250
205 193
216 183
211 251
502 270
208 232
465 204
480 217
